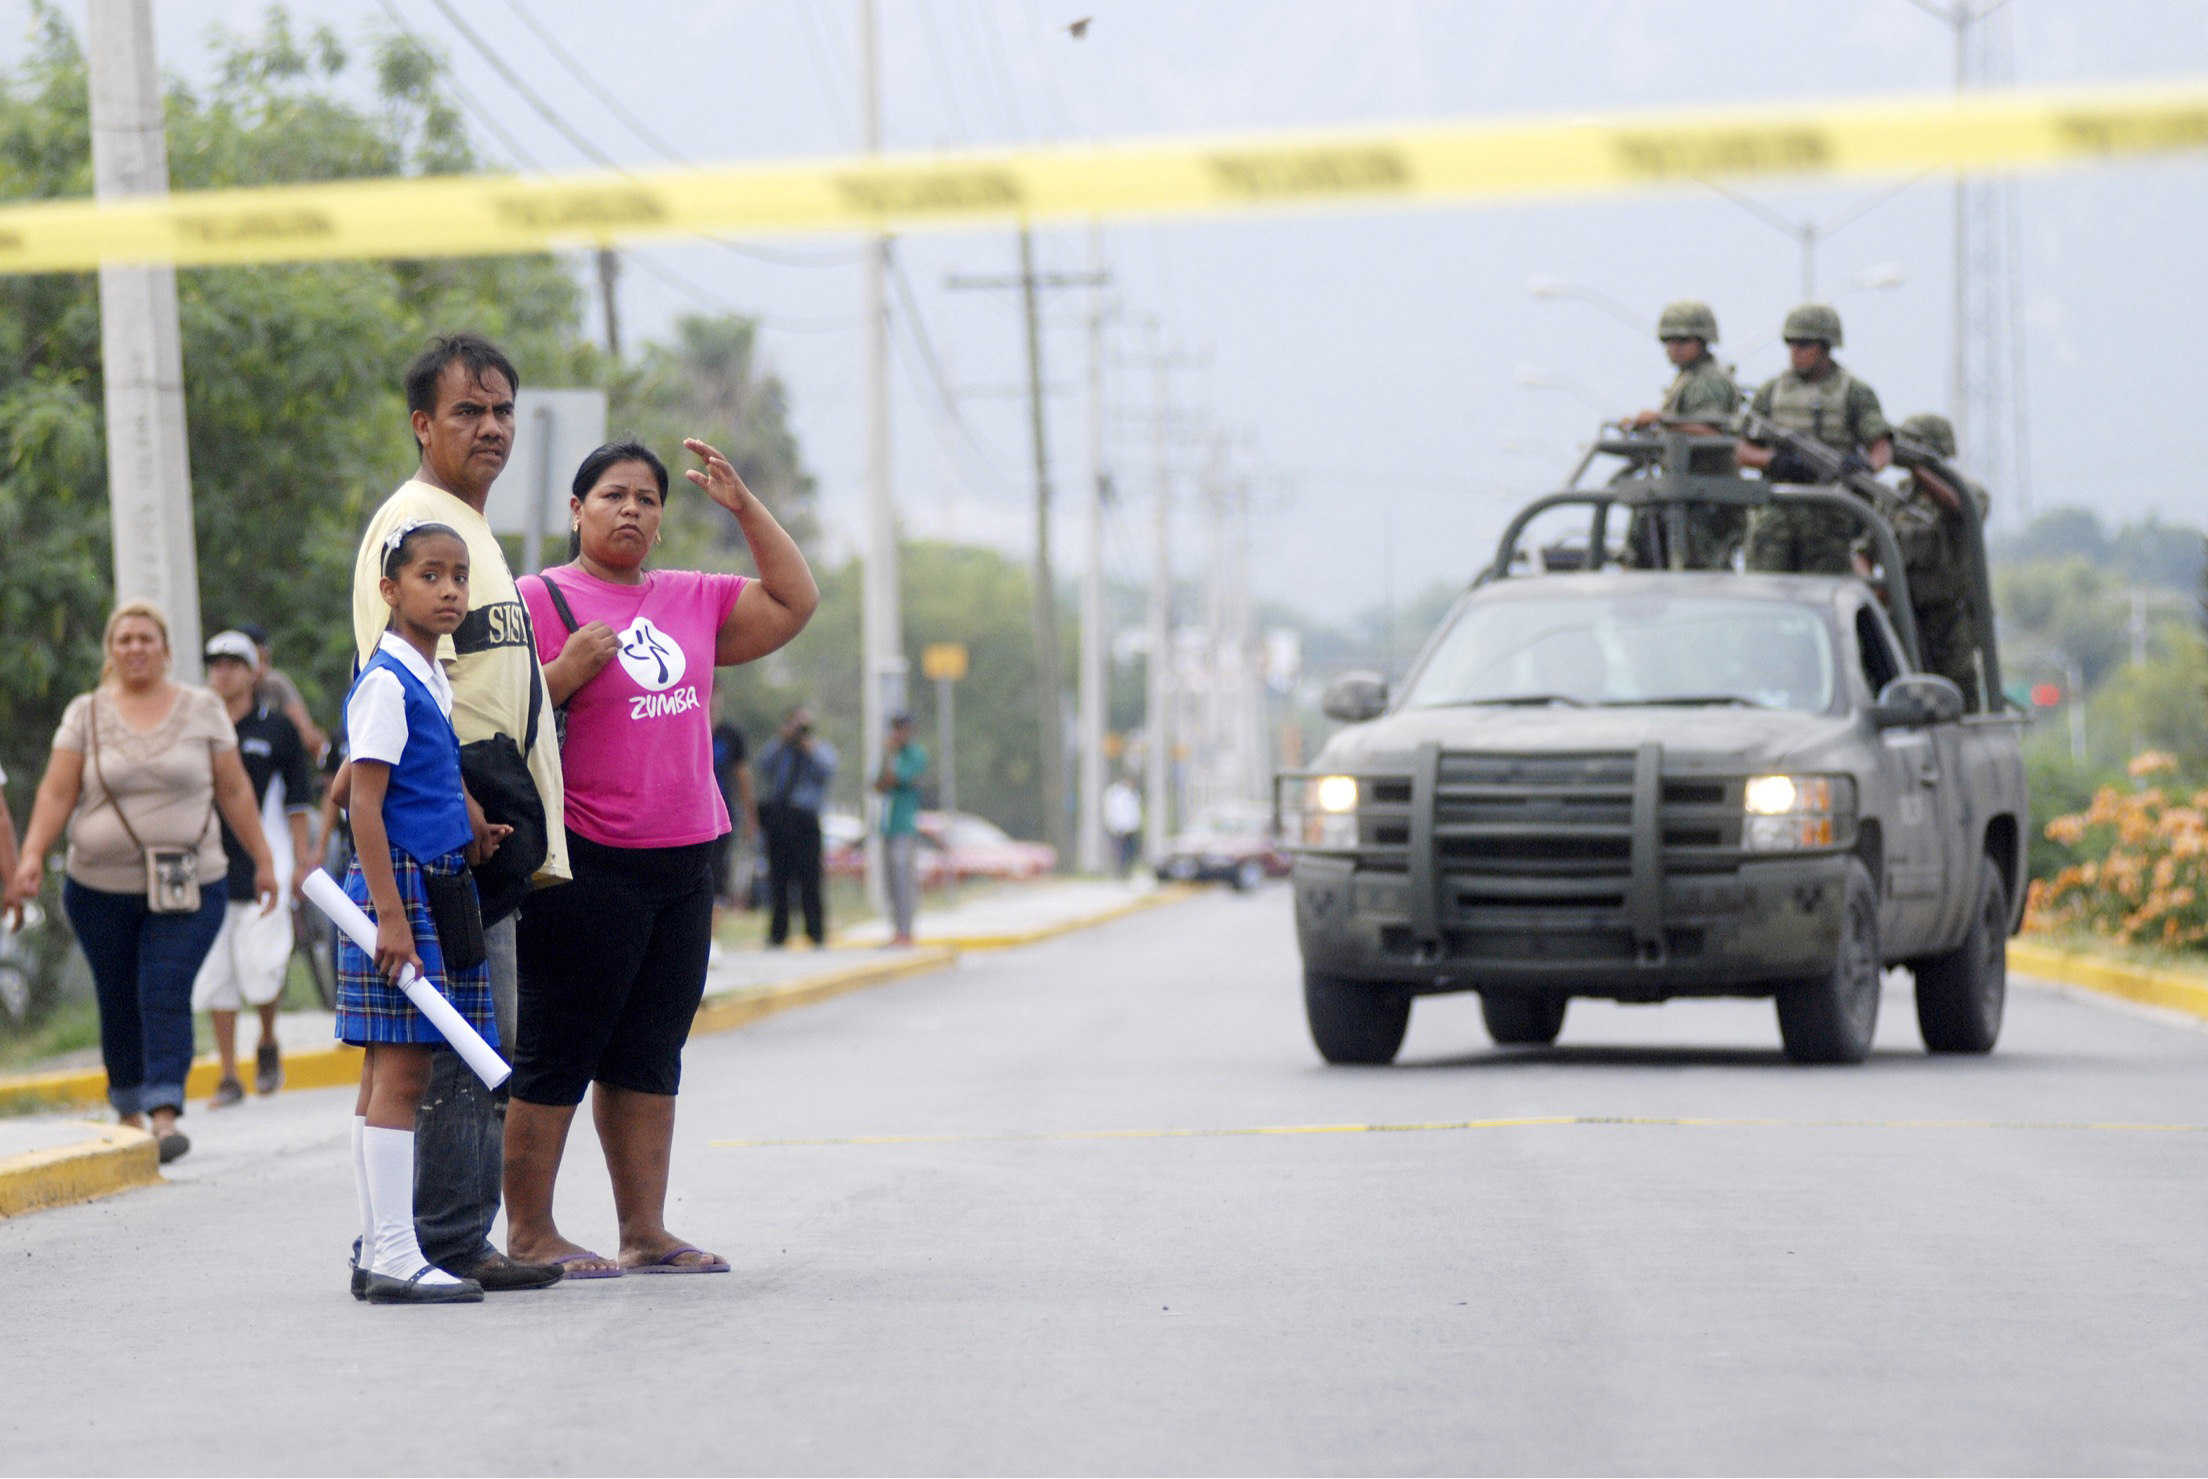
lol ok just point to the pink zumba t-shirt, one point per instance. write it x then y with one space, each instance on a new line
639 751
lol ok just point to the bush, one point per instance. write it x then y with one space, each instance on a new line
2142 877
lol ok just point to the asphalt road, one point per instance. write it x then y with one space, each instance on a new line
1785 1297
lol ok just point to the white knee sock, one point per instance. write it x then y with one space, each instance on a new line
389 1156
360 1190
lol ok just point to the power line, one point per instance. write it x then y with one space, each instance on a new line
468 100
936 60
521 86
597 89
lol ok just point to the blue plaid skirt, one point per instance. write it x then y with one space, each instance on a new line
370 1008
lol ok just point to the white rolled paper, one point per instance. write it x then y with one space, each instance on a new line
325 894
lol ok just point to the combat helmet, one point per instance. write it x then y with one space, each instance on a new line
1813 321
1687 319
1936 432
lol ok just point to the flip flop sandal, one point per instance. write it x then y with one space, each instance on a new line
569 1273
227 1093
665 1263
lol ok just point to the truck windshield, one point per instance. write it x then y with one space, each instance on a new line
1631 649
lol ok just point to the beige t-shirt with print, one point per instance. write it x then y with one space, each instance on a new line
492 661
163 778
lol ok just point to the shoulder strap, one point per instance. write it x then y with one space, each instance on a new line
559 603
107 792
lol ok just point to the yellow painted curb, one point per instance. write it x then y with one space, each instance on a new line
733 1009
2172 989
1167 894
111 1158
310 1068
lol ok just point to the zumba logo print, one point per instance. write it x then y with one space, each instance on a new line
653 658
658 705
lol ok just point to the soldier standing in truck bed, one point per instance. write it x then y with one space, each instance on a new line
1818 397
1937 564
1702 398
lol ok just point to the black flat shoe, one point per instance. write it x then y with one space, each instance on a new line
383 1289
174 1144
360 1275
499 1274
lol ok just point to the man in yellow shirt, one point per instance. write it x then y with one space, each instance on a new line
460 396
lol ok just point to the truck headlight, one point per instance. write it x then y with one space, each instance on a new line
1330 811
1788 812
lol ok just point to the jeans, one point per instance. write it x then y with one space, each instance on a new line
901 859
143 965
459 1133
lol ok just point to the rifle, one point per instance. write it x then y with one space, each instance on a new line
1836 467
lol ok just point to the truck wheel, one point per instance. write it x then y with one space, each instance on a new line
1355 1021
1523 1018
1248 874
1960 994
1833 1018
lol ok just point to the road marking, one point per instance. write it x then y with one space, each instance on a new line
1425 1126
1362 168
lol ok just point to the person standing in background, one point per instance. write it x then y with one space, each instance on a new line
903 765
795 770
252 952
732 772
1123 823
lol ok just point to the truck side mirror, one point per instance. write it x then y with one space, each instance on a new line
1916 700
1355 697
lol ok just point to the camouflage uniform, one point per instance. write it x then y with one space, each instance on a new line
1702 391
1937 563
1842 412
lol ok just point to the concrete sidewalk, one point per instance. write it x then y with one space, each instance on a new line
1020 914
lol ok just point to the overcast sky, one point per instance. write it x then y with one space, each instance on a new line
1368 367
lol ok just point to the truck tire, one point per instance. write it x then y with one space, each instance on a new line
1523 1018
1960 994
1355 1021
1833 1018
1248 874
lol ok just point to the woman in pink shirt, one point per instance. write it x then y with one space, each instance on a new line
613 964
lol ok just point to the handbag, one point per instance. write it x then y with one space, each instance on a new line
454 909
172 873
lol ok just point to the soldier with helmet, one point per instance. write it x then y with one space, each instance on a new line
1815 396
1937 562
1702 398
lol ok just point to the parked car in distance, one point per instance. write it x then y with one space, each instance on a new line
1234 846
955 846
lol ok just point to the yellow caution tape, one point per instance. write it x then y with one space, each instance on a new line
475 215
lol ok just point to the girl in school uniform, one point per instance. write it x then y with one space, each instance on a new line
412 835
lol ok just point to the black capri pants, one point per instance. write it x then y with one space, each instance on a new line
612 969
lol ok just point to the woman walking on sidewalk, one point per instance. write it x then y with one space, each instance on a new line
611 978
140 768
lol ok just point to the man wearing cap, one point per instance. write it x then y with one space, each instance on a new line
1702 399
251 954
1935 557
904 763
1817 397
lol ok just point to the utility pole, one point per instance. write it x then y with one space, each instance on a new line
609 271
1158 696
149 474
882 635
1049 697
1094 639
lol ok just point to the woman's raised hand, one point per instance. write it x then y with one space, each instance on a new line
718 478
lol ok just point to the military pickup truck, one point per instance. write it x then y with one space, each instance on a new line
1609 776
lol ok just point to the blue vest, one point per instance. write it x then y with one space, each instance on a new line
425 811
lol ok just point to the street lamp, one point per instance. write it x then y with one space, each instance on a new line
1809 231
1541 285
